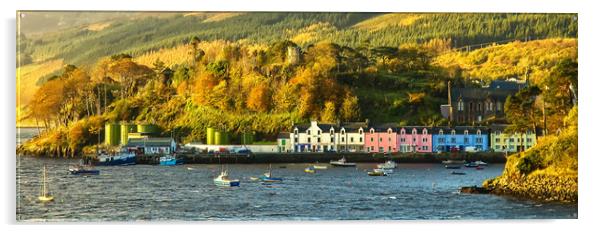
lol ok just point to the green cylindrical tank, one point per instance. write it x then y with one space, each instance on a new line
218 137
247 138
112 134
226 138
126 128
210 136
148 128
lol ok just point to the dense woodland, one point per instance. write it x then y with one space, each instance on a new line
341 67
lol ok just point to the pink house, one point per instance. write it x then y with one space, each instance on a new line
415 139
382 139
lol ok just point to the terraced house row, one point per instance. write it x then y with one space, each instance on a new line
389 138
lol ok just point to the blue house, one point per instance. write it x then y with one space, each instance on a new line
460 138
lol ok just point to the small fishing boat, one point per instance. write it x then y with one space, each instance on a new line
82 170
120 159
481 163
310 169
45 195
169 160
342 163
458 173
224 181
471 164
449 161
377 172
387 165
453 166
267 177
388 171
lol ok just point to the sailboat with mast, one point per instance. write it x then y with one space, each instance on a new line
267 177
45 195
224 181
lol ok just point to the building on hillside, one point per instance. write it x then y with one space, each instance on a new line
415 139
284 142
149 146
351 137
460 138
472 105
382 139
511 142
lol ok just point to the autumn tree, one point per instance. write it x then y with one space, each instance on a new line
350 109
258 99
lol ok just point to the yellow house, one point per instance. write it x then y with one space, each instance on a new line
511 142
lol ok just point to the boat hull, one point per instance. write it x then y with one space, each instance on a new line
84 172
337 164
170 162
124 161
225 183
46 198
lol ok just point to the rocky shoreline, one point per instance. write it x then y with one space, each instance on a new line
542 187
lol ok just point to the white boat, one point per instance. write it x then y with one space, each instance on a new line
45 195
449 161
480 163
342 163
387 165
318 167
377 172
388 171
224 181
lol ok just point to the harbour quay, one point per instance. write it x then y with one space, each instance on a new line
259 158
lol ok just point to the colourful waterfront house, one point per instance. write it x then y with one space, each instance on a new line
460 138
415 139
502 141
351 137
382 139
313 137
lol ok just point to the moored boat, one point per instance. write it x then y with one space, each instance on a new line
120 159
267 177
481 163
342 163
388 171
45 195
377 172
318 167
471 164
169 160
387 165
224 181
450 161
458 173
82 170
310 169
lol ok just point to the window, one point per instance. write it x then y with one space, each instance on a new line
413 139
465 132
371 139
440 132
389 131
361 139
389 139
380 139
296 131
371 130
479 140
453 132
361 131
441 140
414 132
331 131
497 147
511 139
479 107
372 148
465 140
308 131
425 147
497 140
389 149
403 140
424 131
319 140
380 149
343 132
351 139
331 139
403 131
296 140
460 105
529 140
424 139
453 140
319 132
479 132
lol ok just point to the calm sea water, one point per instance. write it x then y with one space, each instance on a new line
146 192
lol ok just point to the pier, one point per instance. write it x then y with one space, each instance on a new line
204 158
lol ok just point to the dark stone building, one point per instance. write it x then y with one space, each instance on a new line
473 105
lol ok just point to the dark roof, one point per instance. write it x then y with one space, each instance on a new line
409 129
284 135
302 127
354 125
480 93
506 85
460 129
384 127
140 142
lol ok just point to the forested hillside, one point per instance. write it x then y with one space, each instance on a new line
263 72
